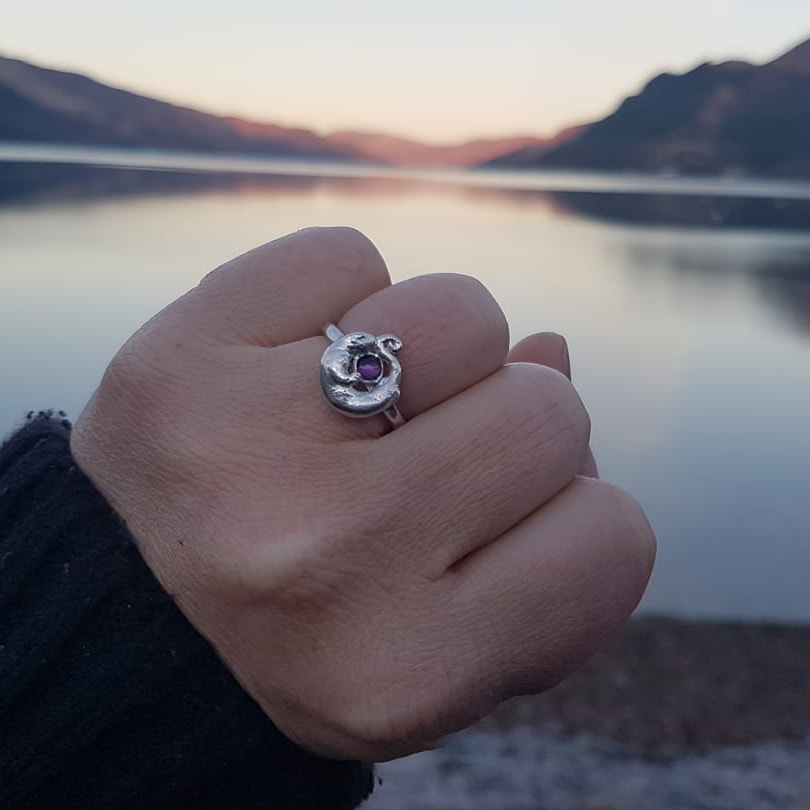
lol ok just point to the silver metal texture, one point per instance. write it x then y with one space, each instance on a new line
360 374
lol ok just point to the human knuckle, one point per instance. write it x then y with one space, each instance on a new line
466 291
315 571
471 302
553 411
628 526
350 249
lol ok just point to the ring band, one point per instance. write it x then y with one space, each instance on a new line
360 374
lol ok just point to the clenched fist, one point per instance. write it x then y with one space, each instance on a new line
372 589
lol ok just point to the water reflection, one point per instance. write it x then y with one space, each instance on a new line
38 182
790 295
776 267
689 211
20 181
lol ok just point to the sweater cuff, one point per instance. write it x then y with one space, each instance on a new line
110 698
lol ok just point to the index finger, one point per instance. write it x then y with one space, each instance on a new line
285 290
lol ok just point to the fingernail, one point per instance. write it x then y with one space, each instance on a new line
566 359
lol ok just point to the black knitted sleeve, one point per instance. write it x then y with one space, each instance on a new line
108 696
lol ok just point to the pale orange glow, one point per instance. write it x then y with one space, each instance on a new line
437 71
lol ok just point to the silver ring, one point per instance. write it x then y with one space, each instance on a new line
360 374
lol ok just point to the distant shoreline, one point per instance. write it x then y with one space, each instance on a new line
551 180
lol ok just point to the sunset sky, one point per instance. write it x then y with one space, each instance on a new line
435 70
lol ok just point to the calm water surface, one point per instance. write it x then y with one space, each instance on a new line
690 343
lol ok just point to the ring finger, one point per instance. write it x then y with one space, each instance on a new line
453 333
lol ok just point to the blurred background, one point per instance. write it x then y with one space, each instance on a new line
635 176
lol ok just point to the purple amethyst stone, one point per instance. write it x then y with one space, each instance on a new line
369 367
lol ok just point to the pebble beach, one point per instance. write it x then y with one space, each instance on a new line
672 716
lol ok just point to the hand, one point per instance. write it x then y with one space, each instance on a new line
372 590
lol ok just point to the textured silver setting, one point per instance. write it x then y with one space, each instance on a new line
349 377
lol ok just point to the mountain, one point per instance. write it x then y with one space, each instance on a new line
795 61
529 154
727 118
404 152
50 106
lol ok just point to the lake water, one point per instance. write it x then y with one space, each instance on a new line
687 311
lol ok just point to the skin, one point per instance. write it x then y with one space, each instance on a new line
373 590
